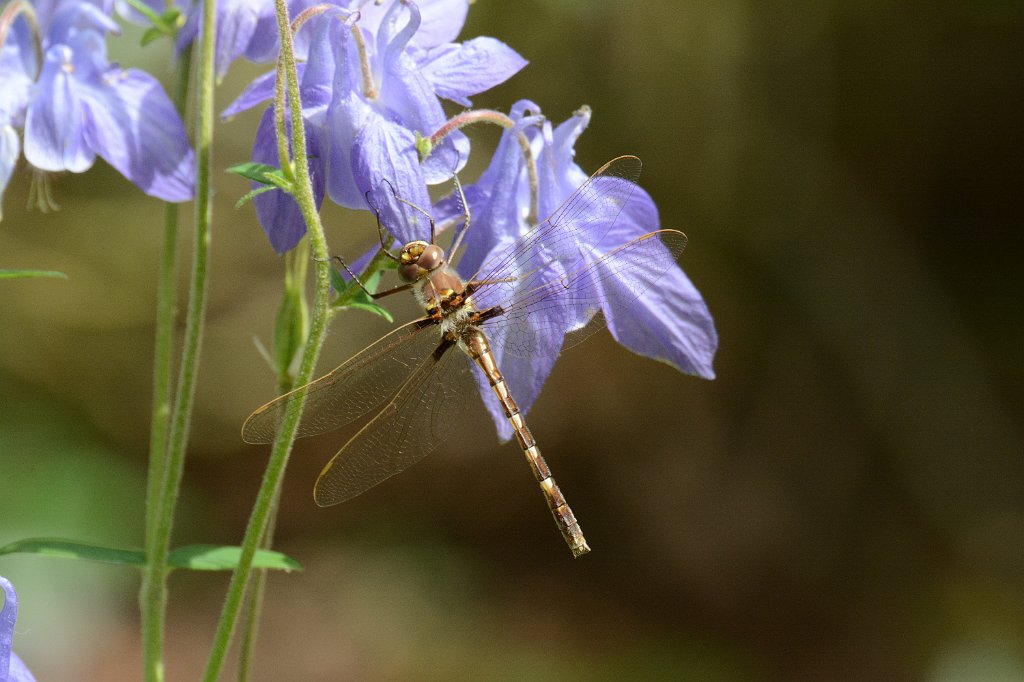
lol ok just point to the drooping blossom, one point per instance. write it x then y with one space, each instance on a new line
389 66
670 322
76 105
12 669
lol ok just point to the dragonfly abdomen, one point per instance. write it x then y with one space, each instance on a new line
479 349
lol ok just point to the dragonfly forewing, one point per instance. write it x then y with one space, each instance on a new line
363 383
412 425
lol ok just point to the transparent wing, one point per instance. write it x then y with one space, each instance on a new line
587 215
364 382
617 278
556 277
409 428
612 281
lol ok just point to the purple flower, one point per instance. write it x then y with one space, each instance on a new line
80 106
670 322
244 28
384 70
11 667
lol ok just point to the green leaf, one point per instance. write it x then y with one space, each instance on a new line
173 17
225 558
337 281
69 549
371 308
193 557
152 33
351 295
23 274
249 197
262 173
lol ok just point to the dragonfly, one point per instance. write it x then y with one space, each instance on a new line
542 293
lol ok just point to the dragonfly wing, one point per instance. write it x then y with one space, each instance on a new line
551 248
409 427
364 382
538 319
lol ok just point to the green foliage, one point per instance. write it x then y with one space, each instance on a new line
351 295
25 274
193 557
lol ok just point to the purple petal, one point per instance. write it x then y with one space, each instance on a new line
18 672
278 213
347 113
441 22
55 124
346 116
407 94
11 667
457 72
135 127
670 322
74 18
9 151
385 163
236 25
559 173
315 74
498 218
260 90
131 14
17 71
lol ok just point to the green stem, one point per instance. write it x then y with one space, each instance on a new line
254 601
159 422
261 512
155 579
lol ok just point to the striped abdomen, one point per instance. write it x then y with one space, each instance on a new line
480 351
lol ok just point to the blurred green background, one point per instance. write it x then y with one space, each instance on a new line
844 502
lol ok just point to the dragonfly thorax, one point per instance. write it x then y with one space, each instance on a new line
418 259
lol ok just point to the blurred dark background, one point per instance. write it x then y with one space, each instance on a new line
844 502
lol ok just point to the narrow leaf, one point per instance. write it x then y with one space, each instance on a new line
256 192
351 295
23 274
193 557
152 33
262 173
371 308
222 558
69 549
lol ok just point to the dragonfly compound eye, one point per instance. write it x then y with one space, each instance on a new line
409 272
432 257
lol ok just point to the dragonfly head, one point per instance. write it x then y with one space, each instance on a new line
419 259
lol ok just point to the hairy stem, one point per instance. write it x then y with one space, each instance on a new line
260 517
155 580
152 634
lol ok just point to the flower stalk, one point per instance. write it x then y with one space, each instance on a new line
162 387
260 517
154 600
